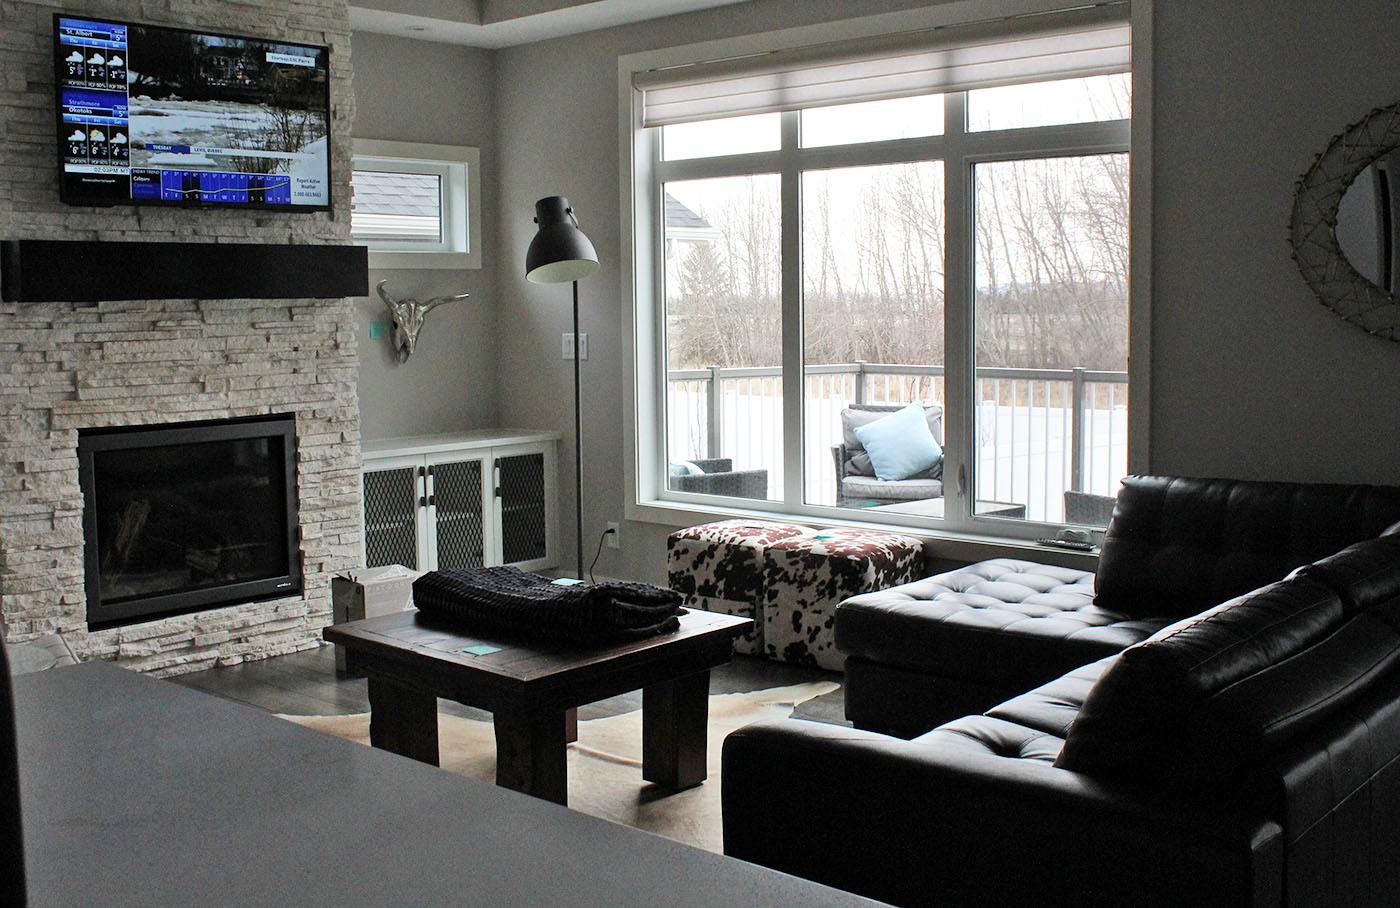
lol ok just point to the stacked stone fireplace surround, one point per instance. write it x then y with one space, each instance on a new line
66 367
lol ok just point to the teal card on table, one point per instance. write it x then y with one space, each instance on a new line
481 649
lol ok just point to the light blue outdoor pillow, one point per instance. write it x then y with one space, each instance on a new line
686 468
900 445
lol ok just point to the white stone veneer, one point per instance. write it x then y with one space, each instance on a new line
64 367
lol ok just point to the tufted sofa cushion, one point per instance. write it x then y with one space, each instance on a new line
1003 623
1177 546
1029 727
988 735
1197 702
1053 707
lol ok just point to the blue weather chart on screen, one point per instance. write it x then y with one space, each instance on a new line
159 115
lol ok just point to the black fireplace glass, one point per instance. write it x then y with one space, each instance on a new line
178 518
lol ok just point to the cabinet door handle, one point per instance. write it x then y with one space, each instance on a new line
432 501
496 476
422 501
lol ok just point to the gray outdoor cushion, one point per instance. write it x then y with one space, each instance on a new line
852 417
860 465
896 490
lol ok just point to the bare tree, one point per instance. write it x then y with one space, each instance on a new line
1051 250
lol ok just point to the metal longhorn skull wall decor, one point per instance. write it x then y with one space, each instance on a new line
408 315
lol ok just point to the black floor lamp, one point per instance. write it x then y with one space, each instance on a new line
560 253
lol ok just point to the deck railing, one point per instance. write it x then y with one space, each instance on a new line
1039 431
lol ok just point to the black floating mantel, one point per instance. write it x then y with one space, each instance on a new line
38 271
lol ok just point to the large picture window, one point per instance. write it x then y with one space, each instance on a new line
951 262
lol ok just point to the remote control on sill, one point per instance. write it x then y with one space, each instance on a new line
1068 544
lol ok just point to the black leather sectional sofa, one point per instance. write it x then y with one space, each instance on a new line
1243 750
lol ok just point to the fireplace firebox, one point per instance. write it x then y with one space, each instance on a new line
187 517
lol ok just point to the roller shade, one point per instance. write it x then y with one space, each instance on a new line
1088 41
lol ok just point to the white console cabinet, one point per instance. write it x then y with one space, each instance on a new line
466 499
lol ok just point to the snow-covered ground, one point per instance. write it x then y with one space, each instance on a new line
1023 452
218 124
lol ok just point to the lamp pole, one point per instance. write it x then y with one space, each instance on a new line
578 441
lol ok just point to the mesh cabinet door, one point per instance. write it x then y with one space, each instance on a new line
391 517
458 514
524 510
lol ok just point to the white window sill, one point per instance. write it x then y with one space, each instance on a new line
941 544
413 261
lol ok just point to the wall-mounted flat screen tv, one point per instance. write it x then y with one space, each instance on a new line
149 115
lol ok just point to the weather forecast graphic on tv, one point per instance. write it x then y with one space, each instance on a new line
159 115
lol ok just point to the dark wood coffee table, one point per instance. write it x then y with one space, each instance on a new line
533 688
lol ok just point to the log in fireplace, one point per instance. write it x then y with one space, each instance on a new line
187 517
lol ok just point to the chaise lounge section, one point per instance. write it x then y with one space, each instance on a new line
927 652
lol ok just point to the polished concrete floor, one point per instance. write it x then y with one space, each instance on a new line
307 684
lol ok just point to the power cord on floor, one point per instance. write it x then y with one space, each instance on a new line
598 554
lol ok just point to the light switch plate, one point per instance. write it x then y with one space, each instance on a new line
566 345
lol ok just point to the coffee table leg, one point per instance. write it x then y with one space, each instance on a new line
531 749
571 725
403 720
674 719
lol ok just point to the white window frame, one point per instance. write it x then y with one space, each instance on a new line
642 173
459 168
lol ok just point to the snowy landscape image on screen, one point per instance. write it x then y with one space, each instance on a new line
227 104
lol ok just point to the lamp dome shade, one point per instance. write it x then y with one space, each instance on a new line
560 252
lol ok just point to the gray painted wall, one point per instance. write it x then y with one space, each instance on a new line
557 114
1250 376
418 91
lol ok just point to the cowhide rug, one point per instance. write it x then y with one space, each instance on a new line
605 766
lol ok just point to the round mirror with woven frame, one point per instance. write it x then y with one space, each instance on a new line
1371 306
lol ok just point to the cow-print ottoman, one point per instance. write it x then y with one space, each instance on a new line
808 576
720 567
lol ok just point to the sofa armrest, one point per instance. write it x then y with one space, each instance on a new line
735 483
715 464
838 455
943 824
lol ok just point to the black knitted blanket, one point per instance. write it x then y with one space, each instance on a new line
509 599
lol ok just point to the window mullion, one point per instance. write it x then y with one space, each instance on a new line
793 378
959 384
653 318
721 166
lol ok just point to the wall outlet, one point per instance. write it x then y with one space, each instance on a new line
615 537
566 345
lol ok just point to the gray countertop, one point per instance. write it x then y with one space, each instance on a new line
140 792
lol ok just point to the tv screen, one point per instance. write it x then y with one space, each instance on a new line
149 115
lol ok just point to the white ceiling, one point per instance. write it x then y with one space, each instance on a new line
503 23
